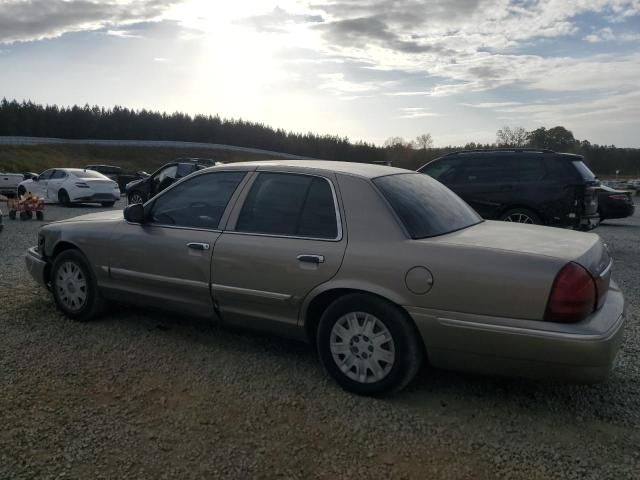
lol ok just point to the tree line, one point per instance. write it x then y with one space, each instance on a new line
120 123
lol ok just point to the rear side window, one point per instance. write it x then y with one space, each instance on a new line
485 169
531 169
425 207
290 205
197 202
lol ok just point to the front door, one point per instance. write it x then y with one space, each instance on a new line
283 240
54 184
166 260
39 187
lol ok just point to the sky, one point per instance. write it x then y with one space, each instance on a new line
368 70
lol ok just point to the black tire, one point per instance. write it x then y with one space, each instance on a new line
409 350
12 214
40 215
521 215
136 197
108 204
21 190
23 216
93 303
63 198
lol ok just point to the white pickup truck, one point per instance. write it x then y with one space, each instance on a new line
9 183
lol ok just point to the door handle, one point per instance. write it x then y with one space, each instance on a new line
198 246
311 258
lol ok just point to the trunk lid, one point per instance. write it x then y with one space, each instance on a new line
587 249
99 185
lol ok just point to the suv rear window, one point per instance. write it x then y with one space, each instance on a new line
425 207
586 174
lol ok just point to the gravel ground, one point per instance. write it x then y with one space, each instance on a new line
149 395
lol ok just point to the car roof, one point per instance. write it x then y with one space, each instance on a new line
366 170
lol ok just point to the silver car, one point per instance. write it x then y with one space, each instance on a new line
381 268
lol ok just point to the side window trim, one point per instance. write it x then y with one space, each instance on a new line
235 215
225 215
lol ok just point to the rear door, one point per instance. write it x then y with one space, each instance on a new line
486 182
284 238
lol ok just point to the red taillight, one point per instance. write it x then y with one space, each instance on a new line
619 196
573 295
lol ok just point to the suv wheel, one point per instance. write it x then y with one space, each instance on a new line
521 215
368 345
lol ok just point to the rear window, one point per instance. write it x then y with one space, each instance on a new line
584 171
87 174
425 207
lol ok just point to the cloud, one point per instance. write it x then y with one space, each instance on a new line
416 112
602 35
278 20
491 104
25 20
123 34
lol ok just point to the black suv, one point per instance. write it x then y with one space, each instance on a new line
520 185
140 191
114 173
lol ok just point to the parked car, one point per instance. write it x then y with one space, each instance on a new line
72 185
524 186
139 191
614 203
1 224
380 267
116 174
9 183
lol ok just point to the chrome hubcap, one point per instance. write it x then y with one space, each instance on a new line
362 347
519 218
71 286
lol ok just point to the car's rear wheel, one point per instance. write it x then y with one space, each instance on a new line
63 198
368 345
108 204
74 287
521 215
135 197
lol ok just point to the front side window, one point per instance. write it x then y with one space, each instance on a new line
198 202
58 175
290 205
185 169
425 207
444 171
46 175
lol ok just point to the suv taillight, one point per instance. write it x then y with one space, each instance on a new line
573 295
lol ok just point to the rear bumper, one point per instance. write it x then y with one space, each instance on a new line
36 266
621 211
97 198
583 352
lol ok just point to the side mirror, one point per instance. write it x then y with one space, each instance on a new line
35 178
134 213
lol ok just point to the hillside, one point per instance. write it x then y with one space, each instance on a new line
37 158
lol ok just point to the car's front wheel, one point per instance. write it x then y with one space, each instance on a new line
368 345
135 197
21 190
74 287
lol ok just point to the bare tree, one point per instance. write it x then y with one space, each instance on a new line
424 141
512 137
395 142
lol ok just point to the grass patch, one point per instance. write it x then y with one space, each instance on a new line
37 158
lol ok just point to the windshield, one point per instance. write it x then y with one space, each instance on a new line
425 206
